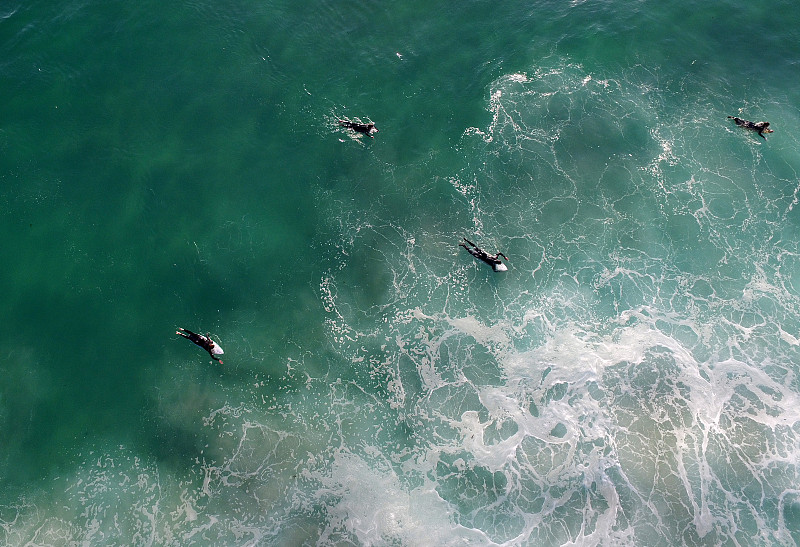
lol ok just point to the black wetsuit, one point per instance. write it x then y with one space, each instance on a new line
480 254
755 126
204 342
366 128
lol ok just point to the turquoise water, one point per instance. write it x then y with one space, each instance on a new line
632 380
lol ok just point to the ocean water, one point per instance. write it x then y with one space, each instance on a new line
633 379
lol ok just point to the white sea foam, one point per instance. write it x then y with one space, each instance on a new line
374 505
631 381
618 396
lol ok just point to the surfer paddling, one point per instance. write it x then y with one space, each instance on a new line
204 342
492 260
367 128
760 127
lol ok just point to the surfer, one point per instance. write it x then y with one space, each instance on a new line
761 127
492 260
367 128
204 342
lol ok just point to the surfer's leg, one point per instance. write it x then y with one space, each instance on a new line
470 250
189 335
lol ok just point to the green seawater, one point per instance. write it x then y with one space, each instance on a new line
631 380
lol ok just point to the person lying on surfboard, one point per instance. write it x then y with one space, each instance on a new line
204 342
492 260
367 128
761 127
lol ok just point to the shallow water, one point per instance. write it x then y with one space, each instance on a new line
631 380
